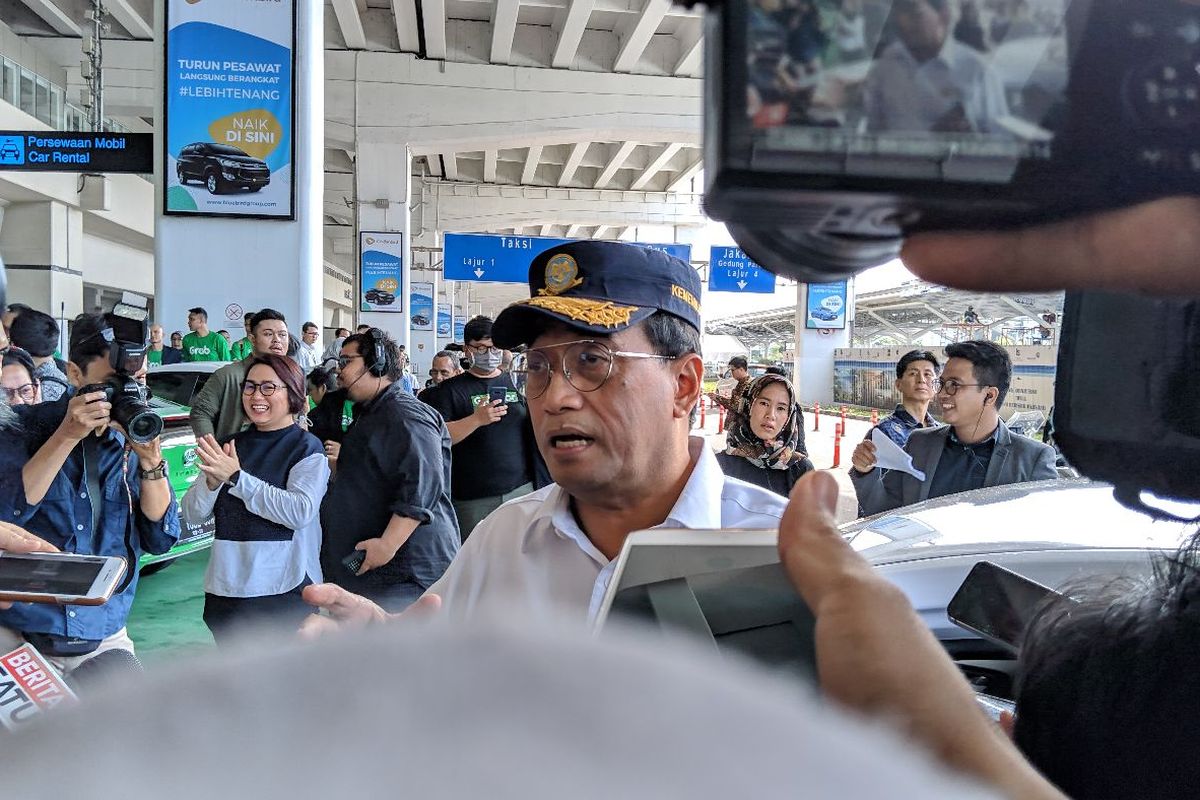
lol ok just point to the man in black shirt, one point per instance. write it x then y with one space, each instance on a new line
391 494
493 440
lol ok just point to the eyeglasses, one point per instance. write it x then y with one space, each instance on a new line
586 365
951 387
481 349
266 388
26 392
342 361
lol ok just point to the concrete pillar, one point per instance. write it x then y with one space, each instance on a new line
384 186
42 246
229 265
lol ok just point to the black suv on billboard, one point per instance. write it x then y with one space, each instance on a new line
221 167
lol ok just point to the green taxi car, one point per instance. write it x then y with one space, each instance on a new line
172 388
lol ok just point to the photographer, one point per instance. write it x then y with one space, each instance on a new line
85 488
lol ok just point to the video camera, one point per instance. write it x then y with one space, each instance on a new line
833 128
127 337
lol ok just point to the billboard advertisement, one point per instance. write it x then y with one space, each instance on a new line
229 109
421 305
826 305
381 271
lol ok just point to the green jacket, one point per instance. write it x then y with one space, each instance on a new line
217 408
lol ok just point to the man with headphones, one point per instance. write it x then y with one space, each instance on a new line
389 527
972 450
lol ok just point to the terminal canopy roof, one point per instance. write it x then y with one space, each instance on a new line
914 311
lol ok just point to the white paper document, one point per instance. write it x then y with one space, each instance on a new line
889 455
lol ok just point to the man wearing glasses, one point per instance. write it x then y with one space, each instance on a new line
974 449
217 408
388 523
17 378
611 377
489 426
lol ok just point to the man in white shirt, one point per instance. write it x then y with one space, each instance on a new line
926 81
611 376
308 356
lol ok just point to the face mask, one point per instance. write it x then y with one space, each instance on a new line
487 362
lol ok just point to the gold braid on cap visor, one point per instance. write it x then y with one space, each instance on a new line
593 312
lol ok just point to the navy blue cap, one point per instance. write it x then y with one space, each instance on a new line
600 288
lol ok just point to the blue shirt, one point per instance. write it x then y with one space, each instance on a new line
64 518
900 424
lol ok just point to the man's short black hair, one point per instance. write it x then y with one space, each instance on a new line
341 333
304 328
739 362
363 328
18 308
87 340
773 370
1106 682
477 329
391 351
246 317
199 311
915 355
223 331
323 376
36 332
263 316
990 364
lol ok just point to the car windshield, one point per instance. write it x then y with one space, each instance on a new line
226 150
177 387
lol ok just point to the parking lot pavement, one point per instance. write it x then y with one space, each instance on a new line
820 450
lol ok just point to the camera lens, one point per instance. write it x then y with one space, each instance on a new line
144 427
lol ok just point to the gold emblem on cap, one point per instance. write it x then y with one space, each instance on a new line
593 312
562 275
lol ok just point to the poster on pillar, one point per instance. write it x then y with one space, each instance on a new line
421 303
381 271
825 306
460 324
228 149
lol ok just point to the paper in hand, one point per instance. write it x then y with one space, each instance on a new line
889 455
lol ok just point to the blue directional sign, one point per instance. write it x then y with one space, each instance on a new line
505 259
731 270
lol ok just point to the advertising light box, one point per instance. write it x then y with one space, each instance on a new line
229 108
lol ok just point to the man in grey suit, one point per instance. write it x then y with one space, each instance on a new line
974 449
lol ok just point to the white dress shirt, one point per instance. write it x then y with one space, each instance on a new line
308 356
531 559
903 94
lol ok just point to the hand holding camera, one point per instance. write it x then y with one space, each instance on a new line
87 412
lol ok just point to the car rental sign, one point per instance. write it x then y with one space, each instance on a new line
229 108
73 151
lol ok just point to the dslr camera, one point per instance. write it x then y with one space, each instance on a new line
833 128
126 338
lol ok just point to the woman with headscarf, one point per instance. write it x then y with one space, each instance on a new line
762 445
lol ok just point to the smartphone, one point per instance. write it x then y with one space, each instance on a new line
354 561
997 604
497 393
63 578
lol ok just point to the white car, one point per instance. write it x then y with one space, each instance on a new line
1054 532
